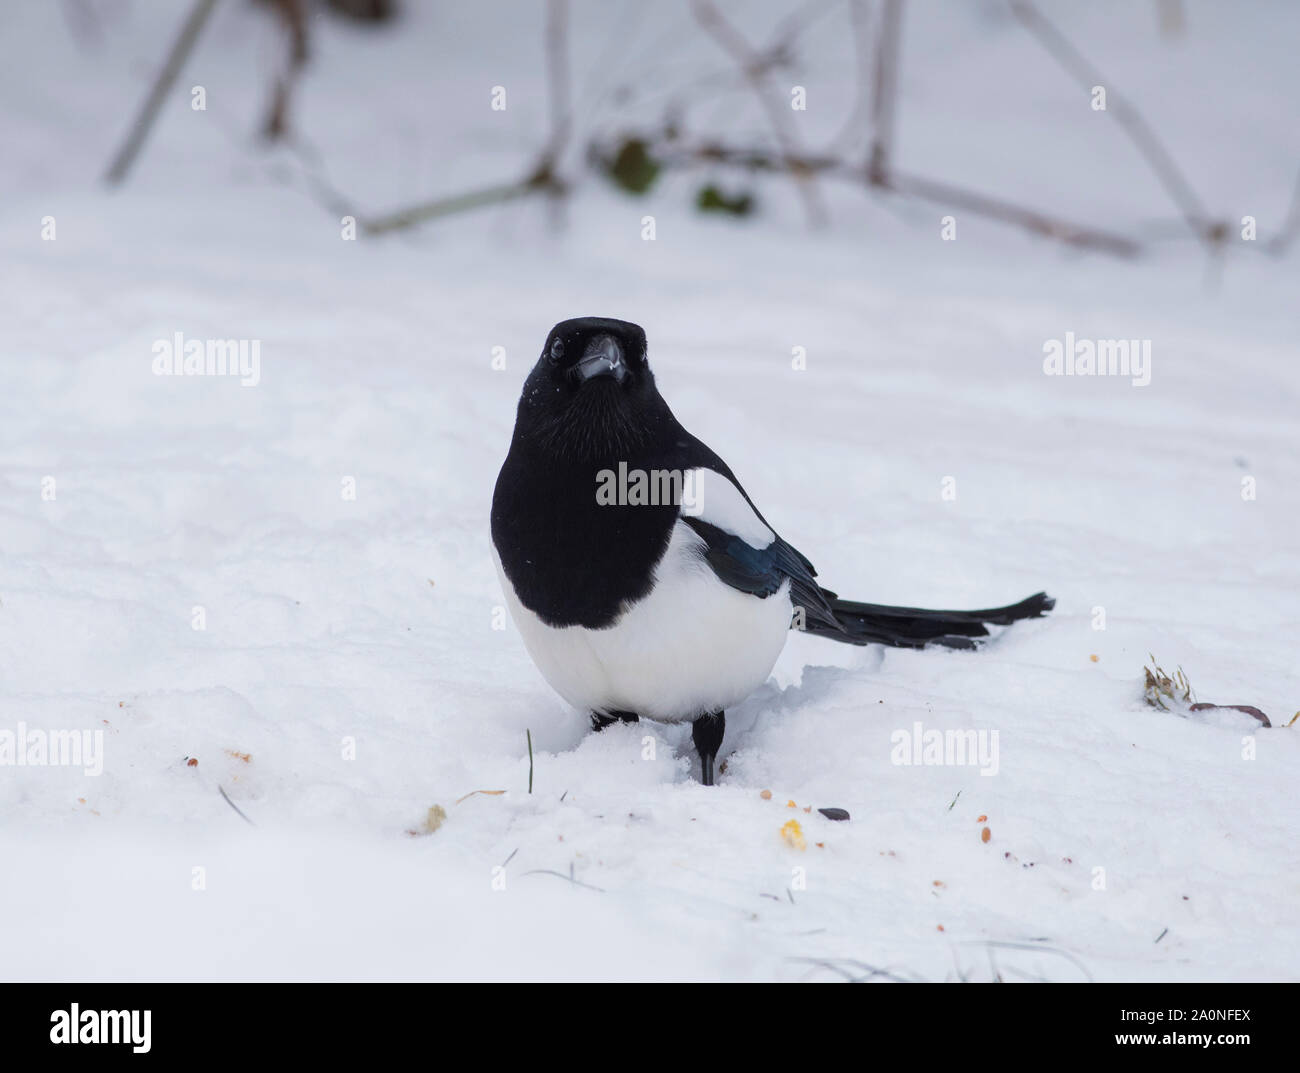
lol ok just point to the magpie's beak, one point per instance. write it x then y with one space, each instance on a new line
603 357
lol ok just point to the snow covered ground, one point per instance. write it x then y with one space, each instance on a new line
350 676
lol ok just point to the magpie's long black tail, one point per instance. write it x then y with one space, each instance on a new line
915 627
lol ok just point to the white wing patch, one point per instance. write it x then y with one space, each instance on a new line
712 498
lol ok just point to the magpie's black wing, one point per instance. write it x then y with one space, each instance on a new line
762 571
744 551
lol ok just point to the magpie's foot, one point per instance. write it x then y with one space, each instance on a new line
707 733
601 720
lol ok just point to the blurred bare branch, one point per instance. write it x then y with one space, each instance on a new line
1172 18
148 114
363 10
542 178
861 154
293 18
83 23
1281 242
558 78
447 206
676 153
860 24
1039 223
884 95
755 68
1211 232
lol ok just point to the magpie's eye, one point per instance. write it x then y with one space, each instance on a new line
557 351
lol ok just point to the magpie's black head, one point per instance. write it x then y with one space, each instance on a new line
589 348
591 391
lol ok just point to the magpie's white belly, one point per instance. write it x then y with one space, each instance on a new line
692 645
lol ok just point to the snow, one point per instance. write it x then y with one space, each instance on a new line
371 620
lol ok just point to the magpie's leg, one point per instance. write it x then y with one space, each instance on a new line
707 733
601 720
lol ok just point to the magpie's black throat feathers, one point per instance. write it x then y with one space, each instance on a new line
589 405
597 423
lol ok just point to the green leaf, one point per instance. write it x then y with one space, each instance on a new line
711 199
633 168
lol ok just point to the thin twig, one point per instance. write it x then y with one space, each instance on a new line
543 177
1055 950
884 95
557 73
833 965
1039 223
1281 242
775 55
558 99
552 872
446 206
755 69
795 23
1128 117
853 129
222 791
162 86
293 15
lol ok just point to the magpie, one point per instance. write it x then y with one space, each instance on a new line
642 578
